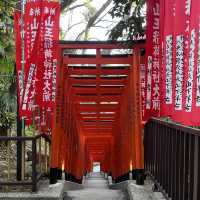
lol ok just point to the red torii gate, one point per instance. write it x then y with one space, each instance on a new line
97 112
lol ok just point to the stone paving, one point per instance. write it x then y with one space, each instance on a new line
45 192
143 192
95 188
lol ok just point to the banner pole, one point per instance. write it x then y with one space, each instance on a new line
23 33
23 2
34 116
19 144
23 54
39 127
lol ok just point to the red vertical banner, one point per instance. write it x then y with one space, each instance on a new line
46 84
153 59
41 35
196 118
18 41
179 67
167 63
143 86
180 81
32 18
191 105
179 64
180 59
26 76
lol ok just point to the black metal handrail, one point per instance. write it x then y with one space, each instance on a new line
172 158
35 159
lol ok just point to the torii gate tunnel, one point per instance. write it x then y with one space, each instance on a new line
98 111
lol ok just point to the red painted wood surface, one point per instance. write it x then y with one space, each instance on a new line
97 113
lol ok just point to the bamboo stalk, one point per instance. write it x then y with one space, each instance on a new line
40 150
23 150
33 120
49 154
8 159
46 159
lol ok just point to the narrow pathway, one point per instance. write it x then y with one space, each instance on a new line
96 188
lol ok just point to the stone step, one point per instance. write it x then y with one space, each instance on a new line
143 192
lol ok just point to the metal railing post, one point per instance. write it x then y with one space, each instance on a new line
172 158
36 175
45 157
196 168
34 163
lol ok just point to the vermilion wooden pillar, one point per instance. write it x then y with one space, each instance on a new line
54 170
138 144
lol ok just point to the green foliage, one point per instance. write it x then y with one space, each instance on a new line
6 122
8 101
6 30
7 67
29 130
132 19
6 15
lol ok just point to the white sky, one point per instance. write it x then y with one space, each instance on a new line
76 16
